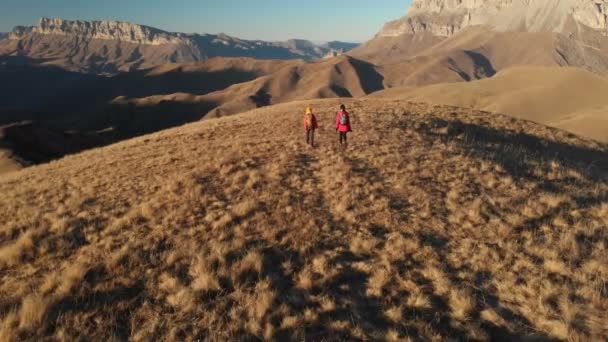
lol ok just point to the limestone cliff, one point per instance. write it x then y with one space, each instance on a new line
447 17
112 46
107 30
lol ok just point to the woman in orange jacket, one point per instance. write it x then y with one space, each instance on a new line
310 124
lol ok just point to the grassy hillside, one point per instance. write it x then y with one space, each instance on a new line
568 98
437 222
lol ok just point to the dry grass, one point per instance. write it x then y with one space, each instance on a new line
437 223
572 99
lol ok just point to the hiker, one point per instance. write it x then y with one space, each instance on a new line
310 124
343 125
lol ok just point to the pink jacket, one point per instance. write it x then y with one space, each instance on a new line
343 128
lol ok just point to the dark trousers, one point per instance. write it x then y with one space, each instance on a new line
310 137
343 138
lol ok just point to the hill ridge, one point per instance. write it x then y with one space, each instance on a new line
547 95
436 223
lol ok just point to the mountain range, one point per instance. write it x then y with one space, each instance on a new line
567 98
111 46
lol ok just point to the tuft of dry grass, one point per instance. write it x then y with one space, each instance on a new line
437 223
461 304
13 254
203 276
33 312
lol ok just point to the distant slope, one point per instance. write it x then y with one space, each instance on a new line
437 223
73 111
590 122
51 95
141 102
28 85
195 78
40 87
221 86
569 98
337 77
199 78
419 48
499 50
455 66
27 143
389 50
111 46
339 46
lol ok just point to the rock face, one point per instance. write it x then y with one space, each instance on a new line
107 30
112 46
462 40
447 17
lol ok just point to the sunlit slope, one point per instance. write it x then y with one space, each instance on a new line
555 96
436 223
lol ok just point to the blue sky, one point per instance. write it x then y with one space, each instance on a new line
317 20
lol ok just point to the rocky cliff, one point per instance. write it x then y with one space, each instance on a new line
447 17
439 39
209 45
107 30
112 46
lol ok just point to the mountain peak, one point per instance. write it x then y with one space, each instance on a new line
447 17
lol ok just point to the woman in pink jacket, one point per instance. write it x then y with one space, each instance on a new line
343 125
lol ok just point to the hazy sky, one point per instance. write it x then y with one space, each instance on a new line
317 20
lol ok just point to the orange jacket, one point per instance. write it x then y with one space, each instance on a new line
310 123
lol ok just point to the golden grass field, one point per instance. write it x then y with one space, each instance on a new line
437 223
572 99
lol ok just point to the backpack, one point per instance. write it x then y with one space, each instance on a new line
343 119
309 121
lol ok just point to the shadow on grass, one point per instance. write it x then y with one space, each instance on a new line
518 152
347 288
120 297
526 158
